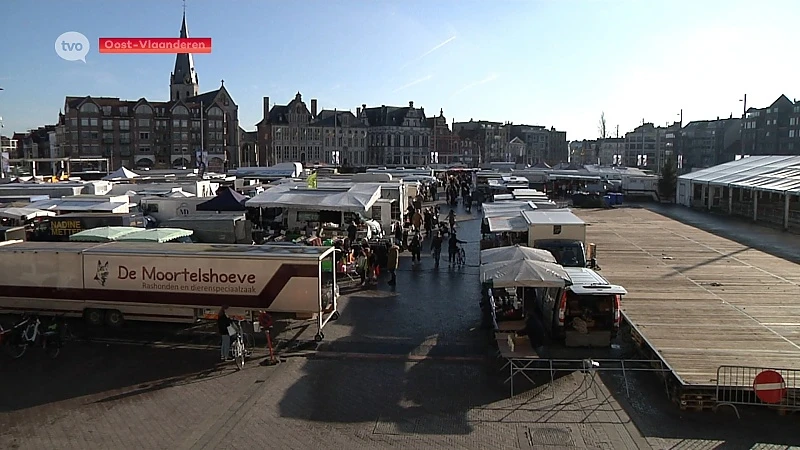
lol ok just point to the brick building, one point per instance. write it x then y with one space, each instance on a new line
154 134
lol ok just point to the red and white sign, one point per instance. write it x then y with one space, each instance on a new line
154 45
769 386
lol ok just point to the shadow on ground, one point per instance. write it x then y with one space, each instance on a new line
88 369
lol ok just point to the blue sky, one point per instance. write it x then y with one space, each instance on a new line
553 63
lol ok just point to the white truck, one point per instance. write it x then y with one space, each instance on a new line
109 283
562 233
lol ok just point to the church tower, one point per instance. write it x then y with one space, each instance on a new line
183 81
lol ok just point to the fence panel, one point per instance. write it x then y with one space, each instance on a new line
758 386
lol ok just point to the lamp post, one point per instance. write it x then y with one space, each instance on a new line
741 127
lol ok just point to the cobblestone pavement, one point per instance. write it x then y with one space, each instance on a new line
403 367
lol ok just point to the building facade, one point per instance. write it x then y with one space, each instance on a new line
706 143
9 145
488 139
445 146
648 147
186 131
397 136
774 130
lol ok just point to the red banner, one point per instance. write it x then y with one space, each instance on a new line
155 45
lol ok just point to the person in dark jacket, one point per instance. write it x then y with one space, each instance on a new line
223 322
535 331
416 248
436 247
452 248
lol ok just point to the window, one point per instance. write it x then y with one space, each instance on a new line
106 110
144 149
93 122
144 109
89 108
108 124
184 123
123 110
791 133
176 123
125 138
124 150
184 136
144 123
144 136
84 122
180 110
214 112
124 124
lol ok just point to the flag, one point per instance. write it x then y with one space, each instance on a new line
312 181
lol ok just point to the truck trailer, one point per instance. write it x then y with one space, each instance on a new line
112 282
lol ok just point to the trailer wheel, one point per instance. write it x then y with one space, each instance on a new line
335 315
93 317
114 318
319 337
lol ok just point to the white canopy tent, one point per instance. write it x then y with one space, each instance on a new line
121 174
356 198
524 273
515 253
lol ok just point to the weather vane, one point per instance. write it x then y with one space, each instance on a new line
184 6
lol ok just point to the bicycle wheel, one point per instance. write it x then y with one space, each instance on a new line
238 353
15 346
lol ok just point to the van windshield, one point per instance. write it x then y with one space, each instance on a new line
567 253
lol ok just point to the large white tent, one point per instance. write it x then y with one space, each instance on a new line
121 174
524 273
515 253
356 198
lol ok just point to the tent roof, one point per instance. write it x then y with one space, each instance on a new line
25 213
507 208
516 224
552 217
524 273
226 200
121 174
155 235
766 173
102 234
357 198
515 253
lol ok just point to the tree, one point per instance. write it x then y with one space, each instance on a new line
601 128
668 182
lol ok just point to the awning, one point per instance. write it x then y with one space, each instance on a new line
357 198
516 224
155 235
102 234
525 273
515 253
24 214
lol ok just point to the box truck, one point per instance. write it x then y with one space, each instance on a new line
112 282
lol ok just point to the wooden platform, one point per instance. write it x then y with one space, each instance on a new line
698 300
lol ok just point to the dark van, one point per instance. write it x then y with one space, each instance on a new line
585 314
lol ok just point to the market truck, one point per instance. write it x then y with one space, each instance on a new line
112 282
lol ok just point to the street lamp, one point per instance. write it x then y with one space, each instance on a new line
741 127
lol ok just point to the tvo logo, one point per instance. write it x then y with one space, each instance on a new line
72 46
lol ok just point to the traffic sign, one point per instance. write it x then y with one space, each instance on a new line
769 386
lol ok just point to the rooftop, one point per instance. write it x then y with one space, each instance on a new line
766 173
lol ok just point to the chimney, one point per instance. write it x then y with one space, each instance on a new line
266 107
358 112
410 104
313 108
364 106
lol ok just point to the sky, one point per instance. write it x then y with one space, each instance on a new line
557 63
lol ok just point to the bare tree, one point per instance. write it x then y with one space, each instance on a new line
603 130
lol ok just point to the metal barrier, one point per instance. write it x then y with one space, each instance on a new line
758 386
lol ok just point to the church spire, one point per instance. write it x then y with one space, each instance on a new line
184 82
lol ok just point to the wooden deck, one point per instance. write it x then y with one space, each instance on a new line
699 300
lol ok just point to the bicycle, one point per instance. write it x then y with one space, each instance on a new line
461 257
239 344
27 333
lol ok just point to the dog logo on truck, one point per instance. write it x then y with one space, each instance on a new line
102 273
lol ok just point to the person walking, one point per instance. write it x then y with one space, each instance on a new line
361 265
436 247
416 220
428 216
398 234
451 218
223 325
416 248
393 263
452 248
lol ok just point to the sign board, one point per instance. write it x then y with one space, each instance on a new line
769 387
177 274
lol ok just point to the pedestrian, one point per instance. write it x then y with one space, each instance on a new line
352 231
416 220
393 263
452 248
224 325
535 331
428 222
361 265
451 218
415 247
398 234
436 247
